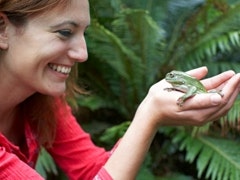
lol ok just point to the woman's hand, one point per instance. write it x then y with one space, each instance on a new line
162 107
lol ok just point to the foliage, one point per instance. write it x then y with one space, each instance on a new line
45 164
133 44
114 133
124 81
214 157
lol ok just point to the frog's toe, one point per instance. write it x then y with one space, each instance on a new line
221 93
216 91
180 101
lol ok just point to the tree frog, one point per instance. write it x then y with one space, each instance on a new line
185 83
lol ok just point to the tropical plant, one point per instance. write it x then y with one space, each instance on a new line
133 44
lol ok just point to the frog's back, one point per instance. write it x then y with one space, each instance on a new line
198 84
188 81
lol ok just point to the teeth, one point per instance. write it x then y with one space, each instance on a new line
60 69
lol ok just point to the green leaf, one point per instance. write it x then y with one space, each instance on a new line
222 155
45 164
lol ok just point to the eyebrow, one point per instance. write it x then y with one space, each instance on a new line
66 23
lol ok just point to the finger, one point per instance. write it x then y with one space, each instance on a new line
217 80
202 101
198 73
212 101
202 116
198 117
231 86
230 92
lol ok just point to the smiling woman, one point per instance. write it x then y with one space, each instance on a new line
41 42
18 15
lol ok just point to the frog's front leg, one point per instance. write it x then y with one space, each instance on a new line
190 93
171 89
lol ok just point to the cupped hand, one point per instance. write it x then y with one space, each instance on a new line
162 109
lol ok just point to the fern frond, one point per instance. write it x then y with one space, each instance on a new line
231 120
141 33
127 59
217 158
234 113
203 40
233 116
225 43
102 40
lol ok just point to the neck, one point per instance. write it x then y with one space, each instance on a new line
12 91
9 124
12 94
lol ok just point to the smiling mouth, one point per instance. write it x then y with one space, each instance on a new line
60 68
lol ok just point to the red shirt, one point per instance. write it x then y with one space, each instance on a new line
72 150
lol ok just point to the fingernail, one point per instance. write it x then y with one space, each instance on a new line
216 99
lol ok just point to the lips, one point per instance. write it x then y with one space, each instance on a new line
60 68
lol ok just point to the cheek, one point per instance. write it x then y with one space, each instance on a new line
31 63
52 51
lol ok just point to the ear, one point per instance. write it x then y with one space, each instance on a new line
3 33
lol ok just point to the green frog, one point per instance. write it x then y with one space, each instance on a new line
185 83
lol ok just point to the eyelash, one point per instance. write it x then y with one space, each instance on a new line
65 33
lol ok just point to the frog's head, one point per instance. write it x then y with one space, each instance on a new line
177 77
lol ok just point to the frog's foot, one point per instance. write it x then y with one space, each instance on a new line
183 98
216 91
180 101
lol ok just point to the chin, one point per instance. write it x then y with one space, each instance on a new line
55 93
59 92
53 89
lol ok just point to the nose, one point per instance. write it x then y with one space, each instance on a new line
78 50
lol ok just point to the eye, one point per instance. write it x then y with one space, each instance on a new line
171 75
66 33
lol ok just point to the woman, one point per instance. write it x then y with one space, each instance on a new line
41 41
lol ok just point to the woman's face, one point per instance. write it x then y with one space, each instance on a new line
40 55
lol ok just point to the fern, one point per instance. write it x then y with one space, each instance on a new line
225 43
234 112
229 122
125 60
214 158
141 33
201 38
232 118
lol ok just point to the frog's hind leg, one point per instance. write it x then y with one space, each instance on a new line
183 98
190 93
171 89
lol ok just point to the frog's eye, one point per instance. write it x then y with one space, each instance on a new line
171 75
